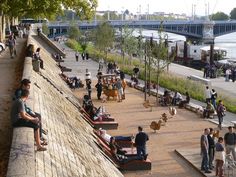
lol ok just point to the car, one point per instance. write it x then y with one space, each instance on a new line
2 46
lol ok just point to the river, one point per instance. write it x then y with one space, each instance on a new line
227 41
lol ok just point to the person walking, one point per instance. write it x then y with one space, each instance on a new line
204 151
211 150
118 85
11 44
208 94
140 142
230 142
219 157
213 97
220 113
99 89
77 56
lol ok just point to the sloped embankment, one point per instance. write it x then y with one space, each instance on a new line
72 149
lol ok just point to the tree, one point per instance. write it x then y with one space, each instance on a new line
73 32
47 8
104 37
219 16
233 14
129 43
159 56
45 29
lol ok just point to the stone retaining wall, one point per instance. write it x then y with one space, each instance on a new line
22 156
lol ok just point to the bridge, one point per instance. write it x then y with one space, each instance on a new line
200 30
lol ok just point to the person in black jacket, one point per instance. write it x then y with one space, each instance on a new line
99 89
211 151
140 142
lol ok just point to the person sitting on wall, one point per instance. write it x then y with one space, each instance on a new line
209 110
184 102
20 118
177 98
38 57
25 85
166 98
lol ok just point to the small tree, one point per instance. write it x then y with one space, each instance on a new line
104 37
159 57
130 43
74 32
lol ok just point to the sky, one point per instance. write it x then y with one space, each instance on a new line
168 6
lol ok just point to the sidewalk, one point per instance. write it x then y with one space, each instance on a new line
10 71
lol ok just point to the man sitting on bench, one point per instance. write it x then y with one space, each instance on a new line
209 110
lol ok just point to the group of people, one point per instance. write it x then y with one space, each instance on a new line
23 116
112 68
230 74
212 107
220 149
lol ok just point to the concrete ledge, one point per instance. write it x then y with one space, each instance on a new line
22 157
200 79
51 44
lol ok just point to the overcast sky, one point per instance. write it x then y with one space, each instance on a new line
175 6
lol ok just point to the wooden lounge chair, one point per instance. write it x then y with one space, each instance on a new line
122 143
107 125
130 165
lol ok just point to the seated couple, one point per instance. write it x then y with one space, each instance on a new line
20 118
166 98
208 110
184 102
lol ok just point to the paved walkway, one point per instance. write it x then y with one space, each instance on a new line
10 72
186 125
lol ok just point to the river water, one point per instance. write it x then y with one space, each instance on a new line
226 41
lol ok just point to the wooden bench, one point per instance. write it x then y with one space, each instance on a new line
200 79
65 69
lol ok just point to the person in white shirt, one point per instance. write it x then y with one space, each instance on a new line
208 94
107 137
87 75
177 98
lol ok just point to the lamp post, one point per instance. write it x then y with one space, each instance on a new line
166 37
145 71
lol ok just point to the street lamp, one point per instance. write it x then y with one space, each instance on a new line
166 37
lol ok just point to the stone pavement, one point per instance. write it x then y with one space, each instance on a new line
10 71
